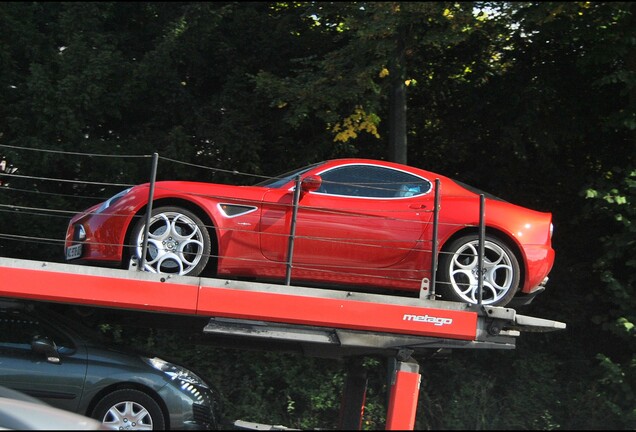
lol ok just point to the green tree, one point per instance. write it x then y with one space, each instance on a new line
533 101
351 86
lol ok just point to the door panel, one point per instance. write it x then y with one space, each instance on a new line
344 231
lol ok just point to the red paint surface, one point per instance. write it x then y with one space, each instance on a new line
192 299
403 401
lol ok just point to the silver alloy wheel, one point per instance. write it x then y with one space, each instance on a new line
497 270
128 415
175 244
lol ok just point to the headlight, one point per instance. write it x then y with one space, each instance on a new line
112 200
176 372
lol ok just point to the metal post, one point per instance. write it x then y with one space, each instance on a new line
151 193
292 234
482 235
354 396
404 393
434 245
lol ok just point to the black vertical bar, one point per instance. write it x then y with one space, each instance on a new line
151 193
482 235
354 396
434 246
292 234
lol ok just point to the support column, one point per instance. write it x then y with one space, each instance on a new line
354 396
404 393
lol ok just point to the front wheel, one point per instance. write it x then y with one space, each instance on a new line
129 409
459 271
178 242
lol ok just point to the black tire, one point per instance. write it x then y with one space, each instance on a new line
129 409
458 271
178 242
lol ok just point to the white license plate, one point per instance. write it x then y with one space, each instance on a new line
74 251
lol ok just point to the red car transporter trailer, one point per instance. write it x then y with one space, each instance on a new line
323 323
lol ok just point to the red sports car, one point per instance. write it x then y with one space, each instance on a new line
358 223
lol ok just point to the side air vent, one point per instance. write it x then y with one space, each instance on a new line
233 210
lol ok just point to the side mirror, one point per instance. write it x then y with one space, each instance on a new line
311 183
44 345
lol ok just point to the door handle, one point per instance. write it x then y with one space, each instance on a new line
417 206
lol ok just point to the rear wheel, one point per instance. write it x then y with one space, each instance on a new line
178 242
129 409
459 271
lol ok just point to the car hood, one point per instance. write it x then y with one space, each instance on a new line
175 188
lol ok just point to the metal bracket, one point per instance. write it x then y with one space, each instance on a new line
404 354
134 263
424 287
426 293
515 322
499 312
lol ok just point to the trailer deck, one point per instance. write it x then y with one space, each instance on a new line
321 322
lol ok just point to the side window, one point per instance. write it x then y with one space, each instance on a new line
370 181
18 329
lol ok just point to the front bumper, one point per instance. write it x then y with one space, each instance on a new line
191 407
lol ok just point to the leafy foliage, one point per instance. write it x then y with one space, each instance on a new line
532 101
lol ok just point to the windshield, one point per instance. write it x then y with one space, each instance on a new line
283 179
